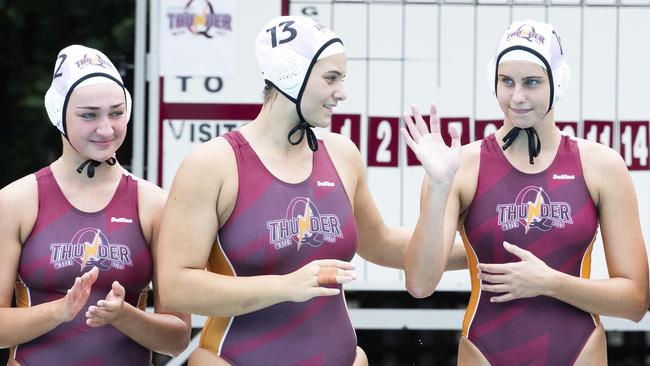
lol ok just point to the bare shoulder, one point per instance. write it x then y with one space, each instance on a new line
209 161
599 159
19 189
604 170
19 206
150 195
470 154
340 146
347 161
466 178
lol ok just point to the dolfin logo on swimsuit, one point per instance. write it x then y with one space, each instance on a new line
304 224
533 209
90 247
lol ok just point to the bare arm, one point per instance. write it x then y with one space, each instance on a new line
625 293
429 248
458 256
189 228
163 331
18 210
377 242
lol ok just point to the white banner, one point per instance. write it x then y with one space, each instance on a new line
197 37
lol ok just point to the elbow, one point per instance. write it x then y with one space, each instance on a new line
179 346
419 290
639 311
166 294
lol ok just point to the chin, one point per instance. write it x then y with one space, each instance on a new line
523 122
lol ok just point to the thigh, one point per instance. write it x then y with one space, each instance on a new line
361 359
13 362
594 353
203 357
469 354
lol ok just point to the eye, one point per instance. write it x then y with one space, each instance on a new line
532 82
506 81
87 116
117 114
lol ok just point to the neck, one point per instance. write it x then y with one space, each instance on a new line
269 130
65 167
549 135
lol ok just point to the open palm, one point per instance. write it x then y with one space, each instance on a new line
439 160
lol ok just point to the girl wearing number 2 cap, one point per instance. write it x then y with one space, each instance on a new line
275 212
78 236
528 202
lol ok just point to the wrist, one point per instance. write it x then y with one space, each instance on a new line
122 314
58 311
553 283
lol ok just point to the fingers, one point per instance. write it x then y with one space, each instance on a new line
408 121
521 253
334 276
327 276
93 274
118 290
434 121
333 263
503 298
496 268
409 141
455 137
419 121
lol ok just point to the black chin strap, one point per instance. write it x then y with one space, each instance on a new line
92 164
303 128
534 145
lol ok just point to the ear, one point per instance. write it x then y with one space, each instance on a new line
561 81
129 105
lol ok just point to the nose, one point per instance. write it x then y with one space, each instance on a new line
340 94
518 94
104 127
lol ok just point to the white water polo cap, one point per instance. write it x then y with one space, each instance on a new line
78 66
288 47
537 42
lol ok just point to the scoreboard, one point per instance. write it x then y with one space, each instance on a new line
401 53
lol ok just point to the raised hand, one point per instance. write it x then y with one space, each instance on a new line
108 310
312 279
439 160
527 278
77 295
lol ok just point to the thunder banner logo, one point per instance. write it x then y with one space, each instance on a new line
90 247
303 224
533 209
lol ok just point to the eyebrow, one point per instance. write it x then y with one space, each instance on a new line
335 73
98 108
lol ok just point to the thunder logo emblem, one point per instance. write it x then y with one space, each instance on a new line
533 209
90 247
304 224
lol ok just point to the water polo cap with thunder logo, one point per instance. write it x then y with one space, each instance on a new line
537 42
287 49
78 66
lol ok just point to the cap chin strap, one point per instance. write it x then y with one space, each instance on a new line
534 144
303 128
92 164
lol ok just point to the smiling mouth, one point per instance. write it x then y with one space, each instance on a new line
520 110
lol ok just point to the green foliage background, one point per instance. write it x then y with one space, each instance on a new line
31 34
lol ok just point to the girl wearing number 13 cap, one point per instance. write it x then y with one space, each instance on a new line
528 207
275 213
